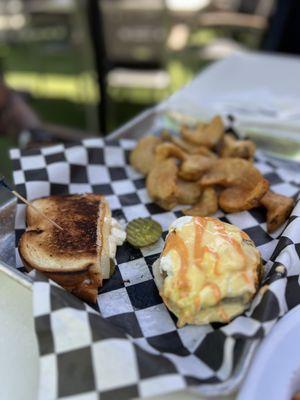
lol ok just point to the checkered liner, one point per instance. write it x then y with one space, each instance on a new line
133 348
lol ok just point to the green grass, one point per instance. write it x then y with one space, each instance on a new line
60 94
72 114
43 57
62 99
59 111
61 88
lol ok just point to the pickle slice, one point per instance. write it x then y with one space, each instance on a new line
143 232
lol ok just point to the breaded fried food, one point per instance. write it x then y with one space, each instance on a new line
237 148
161 183
230 172
206 205
245 185
142 157
188 192
226 172
167 150
195 166
207 157
187 146
278 207
242 198
207 135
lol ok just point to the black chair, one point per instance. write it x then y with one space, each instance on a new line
129 38
237 21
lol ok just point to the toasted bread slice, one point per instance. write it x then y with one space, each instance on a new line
77 257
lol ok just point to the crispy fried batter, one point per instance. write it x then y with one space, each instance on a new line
278 208
204 151
142 157
188 192
195 166
187 146
246 185
161 183
167 150
207 205
237 148
205 134
226 172
243 197
206 158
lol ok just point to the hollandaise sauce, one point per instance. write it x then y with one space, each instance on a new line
210 270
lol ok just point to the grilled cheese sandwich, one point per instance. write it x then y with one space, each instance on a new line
77 257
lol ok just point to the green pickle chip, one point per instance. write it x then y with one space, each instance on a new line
143 232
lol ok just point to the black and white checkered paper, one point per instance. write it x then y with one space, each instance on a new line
129 345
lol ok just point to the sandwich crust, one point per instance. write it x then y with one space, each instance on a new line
76 214
76 257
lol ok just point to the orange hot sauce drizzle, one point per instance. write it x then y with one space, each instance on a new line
197 302
244 235
216 290
237 247
232 241
246 278
199 251
223 314
217 261
174 242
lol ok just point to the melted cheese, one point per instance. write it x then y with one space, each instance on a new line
116 238
206 262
